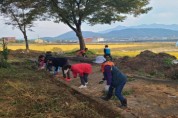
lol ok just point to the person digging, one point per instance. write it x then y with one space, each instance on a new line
118 82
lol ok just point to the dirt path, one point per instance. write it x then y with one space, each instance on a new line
153 100
145 98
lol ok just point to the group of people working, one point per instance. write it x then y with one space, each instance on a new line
115 79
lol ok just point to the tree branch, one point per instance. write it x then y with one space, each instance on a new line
63 17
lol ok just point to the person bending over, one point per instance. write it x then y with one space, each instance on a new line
81 69
58 62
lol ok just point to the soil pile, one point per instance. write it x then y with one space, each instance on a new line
150 63
23 54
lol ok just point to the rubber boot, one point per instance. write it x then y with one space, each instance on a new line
106 98
123 104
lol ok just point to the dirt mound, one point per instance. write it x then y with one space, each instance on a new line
23 54
147 62
172 72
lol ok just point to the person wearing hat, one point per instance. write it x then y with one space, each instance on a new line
81 69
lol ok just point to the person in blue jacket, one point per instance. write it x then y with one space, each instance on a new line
107 51
118 82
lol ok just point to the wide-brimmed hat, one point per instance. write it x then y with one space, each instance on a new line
99 60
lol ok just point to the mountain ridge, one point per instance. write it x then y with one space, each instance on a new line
140 31
163 26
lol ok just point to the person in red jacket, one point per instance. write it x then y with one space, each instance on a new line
81 69
82 52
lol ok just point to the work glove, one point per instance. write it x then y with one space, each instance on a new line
68 79
106 88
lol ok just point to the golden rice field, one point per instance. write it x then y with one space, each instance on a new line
118 49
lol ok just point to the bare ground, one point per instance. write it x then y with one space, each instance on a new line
146 98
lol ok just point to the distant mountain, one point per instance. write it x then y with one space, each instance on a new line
125 33
72 36
120 32
141 33
162 26
119 27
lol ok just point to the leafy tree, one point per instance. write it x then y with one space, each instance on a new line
20 14
75 12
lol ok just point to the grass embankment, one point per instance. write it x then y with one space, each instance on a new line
26 92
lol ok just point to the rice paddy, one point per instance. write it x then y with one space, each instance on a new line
117 49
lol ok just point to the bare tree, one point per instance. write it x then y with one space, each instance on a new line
20 14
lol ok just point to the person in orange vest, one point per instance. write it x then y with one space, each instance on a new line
106 69
81 69
106 65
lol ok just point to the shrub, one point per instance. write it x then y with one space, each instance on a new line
4 64
73 52
4 56
168 62
91 52
56 49
5 53
88 53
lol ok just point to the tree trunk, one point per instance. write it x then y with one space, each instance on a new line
80 37
26 41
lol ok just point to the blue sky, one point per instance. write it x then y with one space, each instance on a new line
163 12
